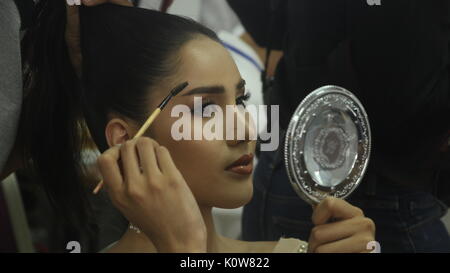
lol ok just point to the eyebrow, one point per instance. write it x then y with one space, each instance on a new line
216 89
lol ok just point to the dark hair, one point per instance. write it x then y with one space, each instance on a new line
49 128
126 51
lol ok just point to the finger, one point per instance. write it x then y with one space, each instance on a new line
110 170
344 229
130 162
98 2
73 20
165 161
334 208
350 245
147 149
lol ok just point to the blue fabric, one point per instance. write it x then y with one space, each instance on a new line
406 221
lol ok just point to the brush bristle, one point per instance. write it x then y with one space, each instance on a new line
179 88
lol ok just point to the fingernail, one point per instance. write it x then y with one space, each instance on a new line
77 2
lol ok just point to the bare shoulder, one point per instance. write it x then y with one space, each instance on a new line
238 246
284 245
261 247
131 243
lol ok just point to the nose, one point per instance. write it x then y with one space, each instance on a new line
240 128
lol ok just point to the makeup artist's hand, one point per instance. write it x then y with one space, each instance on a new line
340 228
73 29
151 192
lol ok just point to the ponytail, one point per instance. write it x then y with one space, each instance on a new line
50 130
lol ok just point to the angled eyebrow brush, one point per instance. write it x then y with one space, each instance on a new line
150 120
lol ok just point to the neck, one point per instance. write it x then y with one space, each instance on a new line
214 241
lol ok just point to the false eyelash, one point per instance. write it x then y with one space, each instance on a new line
244 98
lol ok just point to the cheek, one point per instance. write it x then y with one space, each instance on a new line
202 164
190 156
198 161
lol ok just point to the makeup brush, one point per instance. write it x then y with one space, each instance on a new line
152 117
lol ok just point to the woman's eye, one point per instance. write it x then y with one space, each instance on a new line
209 109
243 99
206 109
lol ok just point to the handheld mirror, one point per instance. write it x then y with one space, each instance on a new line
327 146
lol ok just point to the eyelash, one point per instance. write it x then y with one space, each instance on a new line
243 99
239 101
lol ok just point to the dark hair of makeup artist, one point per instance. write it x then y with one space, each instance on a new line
125 52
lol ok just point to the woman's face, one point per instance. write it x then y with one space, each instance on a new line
205 164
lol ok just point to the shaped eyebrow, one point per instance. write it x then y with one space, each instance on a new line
215 89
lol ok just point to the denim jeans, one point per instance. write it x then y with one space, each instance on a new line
406 221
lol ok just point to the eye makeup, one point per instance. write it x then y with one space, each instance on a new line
214 95
243 99
206 101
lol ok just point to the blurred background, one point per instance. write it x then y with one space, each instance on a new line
31 223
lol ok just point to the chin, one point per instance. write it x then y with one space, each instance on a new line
233 200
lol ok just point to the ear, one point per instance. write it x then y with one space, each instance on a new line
117 131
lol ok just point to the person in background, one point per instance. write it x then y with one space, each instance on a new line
41 121
395 58
124 79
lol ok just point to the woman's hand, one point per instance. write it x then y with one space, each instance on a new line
150 191
73 29
340 228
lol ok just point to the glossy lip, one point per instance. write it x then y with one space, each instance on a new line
242 166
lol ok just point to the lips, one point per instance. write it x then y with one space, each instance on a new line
242 166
